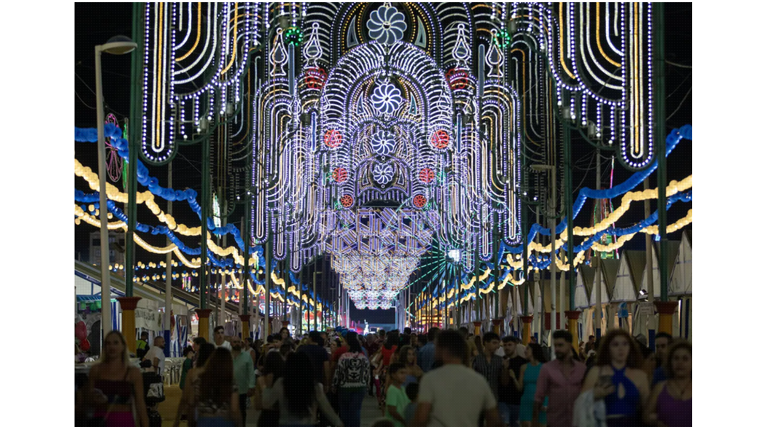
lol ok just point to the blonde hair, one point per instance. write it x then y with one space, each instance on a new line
124 354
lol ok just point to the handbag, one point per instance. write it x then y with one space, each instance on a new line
154 387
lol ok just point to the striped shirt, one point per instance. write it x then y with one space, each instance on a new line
492 371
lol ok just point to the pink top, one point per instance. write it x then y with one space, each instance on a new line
561 390
671 411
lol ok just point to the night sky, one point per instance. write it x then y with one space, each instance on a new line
95 23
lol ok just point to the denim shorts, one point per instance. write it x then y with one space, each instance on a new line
509 413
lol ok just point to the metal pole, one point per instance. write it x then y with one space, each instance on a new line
205 176
324 289
267 281
134 147
300 301
445 299
496 262
348 311
105 275
241 302
214 291
525 286
247 249
340 304
223 290
598 258
168 294
649 272
460 308
562 295
477 283
314 295
569 210
659 141
552 215
538 293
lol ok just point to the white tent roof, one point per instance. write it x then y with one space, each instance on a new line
680 280
629 274
581 291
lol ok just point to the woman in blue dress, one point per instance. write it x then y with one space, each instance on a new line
527 383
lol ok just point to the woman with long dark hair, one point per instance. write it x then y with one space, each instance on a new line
618 379
298 394
527 384
274 365
216 402
408 358
670 402
350 381
188 393
114 386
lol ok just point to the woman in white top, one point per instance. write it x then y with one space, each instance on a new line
299 395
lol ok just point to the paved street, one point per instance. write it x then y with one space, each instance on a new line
168 409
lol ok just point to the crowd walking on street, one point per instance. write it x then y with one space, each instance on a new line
443 378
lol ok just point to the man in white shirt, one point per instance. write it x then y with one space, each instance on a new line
220 340
454 395
156 355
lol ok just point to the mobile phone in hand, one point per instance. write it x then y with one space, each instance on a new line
605 380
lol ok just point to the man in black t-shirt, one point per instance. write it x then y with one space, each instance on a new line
509 395
317 354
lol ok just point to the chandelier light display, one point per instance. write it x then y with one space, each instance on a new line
373 281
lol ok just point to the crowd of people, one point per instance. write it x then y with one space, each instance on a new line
444 378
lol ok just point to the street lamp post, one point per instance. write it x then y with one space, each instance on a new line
118 45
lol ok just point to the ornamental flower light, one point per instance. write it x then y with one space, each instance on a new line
386 98
386 24
383 173
383 143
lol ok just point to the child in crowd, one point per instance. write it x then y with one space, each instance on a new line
396 399
411 392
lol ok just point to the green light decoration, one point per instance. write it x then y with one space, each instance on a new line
217 212
294 35
503 39
607 240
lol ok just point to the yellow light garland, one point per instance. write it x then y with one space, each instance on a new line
146 197
221 252
482 277
614 216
